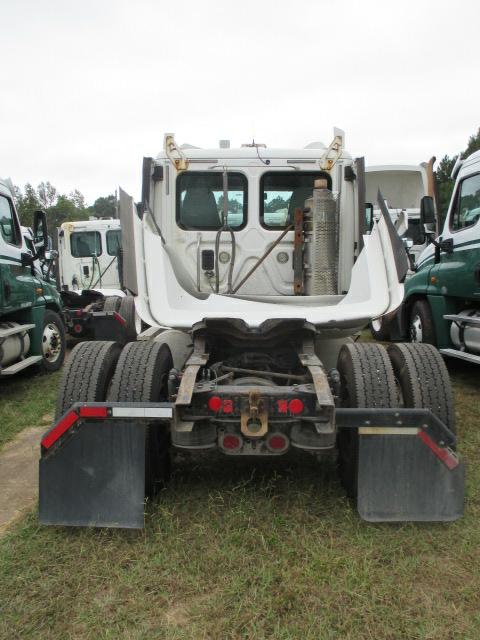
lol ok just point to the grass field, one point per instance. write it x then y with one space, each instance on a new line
251 552
26 400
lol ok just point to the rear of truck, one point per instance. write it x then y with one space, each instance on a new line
251 268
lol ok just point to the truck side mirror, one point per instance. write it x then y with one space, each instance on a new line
427 210
27 259
40 232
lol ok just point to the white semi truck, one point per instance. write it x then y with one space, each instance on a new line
90 281
403 186
253 271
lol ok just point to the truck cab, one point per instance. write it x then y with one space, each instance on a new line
403 186
442 298
31 328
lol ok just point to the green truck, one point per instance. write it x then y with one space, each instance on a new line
31 326
442 296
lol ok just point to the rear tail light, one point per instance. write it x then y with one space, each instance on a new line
277 442
216 404
231 442
77 328
294 406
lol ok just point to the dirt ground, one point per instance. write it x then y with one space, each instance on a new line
19 475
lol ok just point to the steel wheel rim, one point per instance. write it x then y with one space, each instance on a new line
416 329
51 343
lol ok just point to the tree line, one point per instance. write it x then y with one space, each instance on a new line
60 207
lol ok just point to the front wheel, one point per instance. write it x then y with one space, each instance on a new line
420 327
53 341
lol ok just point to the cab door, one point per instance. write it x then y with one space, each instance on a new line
458 273
16 281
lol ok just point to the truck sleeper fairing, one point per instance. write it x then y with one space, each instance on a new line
161 301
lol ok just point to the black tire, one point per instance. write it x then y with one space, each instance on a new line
423 380
111 303
127 310
87 374
420 324
53 342
382 332
366 380
141 376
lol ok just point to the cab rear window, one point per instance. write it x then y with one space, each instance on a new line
200 200
86 244
114 241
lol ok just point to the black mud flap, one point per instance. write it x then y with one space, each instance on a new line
95 476
108 325
405 475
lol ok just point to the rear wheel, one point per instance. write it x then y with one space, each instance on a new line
87 374
367 380
126 309
111 303
141 376
420 327
423 380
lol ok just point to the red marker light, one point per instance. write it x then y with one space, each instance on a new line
215 403
231 441
282 406
277 442
227 406
295 406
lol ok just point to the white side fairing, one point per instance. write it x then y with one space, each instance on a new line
162 301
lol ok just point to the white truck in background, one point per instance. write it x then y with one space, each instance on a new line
89 279
403 187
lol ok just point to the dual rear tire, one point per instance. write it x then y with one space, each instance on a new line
102 370
402 375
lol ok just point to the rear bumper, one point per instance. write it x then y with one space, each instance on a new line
92 466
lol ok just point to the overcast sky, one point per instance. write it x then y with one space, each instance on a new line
89 87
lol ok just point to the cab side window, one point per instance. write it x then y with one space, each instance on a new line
8 226
467 206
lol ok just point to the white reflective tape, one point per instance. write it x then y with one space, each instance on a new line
389 431
142 412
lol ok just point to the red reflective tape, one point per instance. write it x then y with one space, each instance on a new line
59 429
119 318
448 458
93 412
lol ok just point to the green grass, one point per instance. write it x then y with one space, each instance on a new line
26 400
249 551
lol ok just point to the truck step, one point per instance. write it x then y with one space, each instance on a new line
19 366
463 355
4 333
463 319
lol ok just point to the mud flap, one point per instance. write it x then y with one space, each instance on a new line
406 475
95 476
